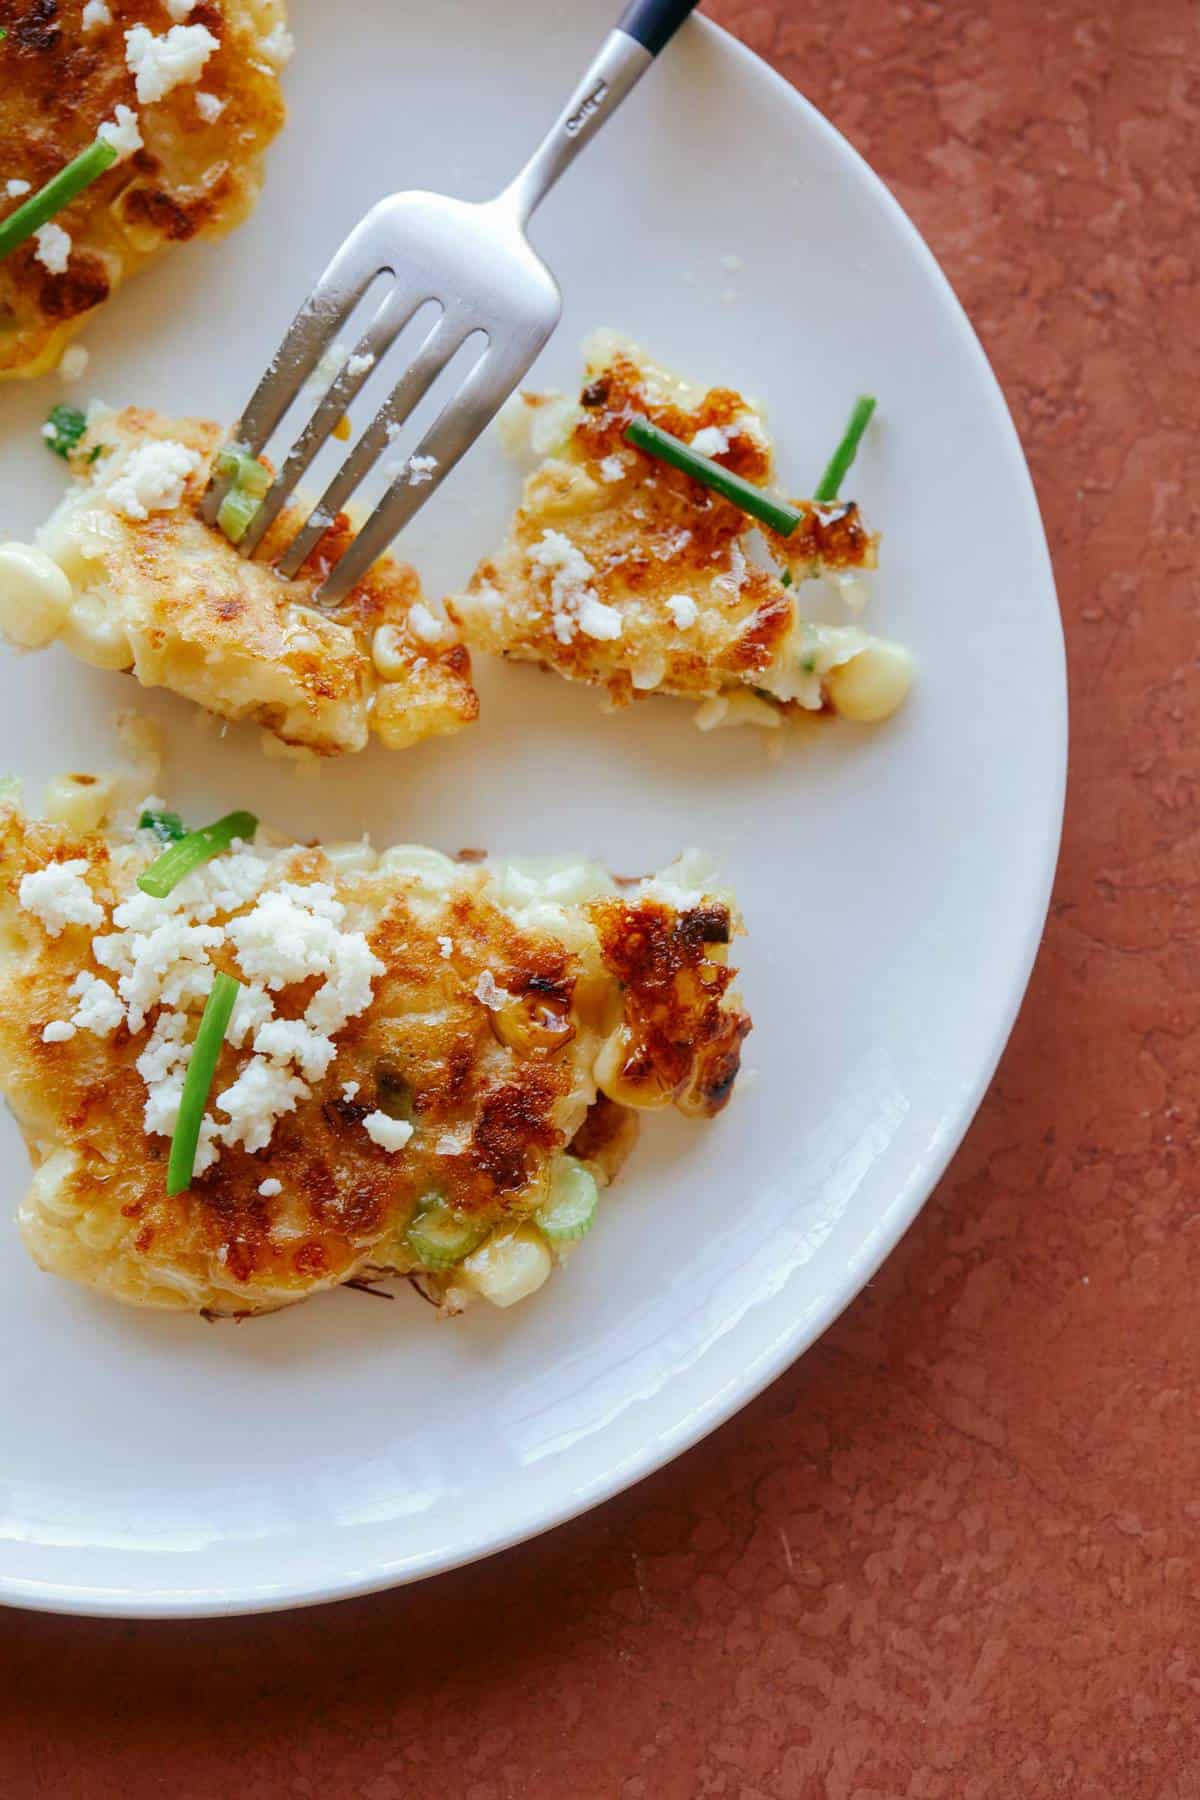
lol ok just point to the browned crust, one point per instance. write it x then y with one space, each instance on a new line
509 1105
652 534
57 85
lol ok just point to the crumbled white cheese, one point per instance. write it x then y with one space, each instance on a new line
179 9
573 601
425 625
421 469
163 1068
167 965
612 468
597 620
359 365
293 933
95 16
209 107
98 1010
161 64
58 1031
53 247
349 1089
262 1093
712 441
58 896
278 47
153 478
489 992
251 1010
683 610
389 1134
121 133
270 1187
446 946
75 360
15 188
291 1040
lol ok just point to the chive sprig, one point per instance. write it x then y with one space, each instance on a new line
56 193
197 847
214 1023
839 463
781 517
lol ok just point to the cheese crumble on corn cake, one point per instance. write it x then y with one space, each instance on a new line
431 1069
626 573
189 96
128 576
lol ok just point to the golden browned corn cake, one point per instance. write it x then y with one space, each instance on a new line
423 1052
202 83
128 576
624 572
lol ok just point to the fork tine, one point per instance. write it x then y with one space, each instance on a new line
342 285
452 433
394 313
444 338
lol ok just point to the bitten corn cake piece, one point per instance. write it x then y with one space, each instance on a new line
626 573
128 576
191 96
432 1066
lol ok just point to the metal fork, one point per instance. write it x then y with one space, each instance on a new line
476 262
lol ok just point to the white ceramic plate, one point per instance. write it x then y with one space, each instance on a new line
895 881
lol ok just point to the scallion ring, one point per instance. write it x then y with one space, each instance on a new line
847 450
199 1078
655 442
58 192
168 870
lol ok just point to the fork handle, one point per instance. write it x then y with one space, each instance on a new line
623 58
653 23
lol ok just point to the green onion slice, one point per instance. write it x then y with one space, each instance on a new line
655 442
847 450
243 470
64 427
198 1080
196 848
570 1209
58 192
439 1237
167 827
235 513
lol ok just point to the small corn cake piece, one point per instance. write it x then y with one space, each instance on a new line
128 576
626 573
431 1069
199 91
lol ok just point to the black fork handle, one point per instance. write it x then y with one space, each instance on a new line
653 23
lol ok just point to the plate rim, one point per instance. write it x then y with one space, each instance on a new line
185 1602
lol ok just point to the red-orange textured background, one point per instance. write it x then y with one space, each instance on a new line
952 1554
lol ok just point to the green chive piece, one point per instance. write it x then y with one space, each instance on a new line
167 827
235 513
655 442
196 848
785 580
58 192
847 450
200 1071
570 1209
243 470
64 427
439 1236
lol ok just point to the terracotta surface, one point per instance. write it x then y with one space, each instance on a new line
953 1552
